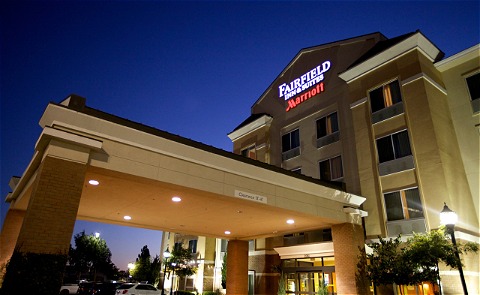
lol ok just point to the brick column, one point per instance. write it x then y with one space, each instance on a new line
48 224
237 267
347 238
8 237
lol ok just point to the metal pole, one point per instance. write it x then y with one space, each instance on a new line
460 268
163 283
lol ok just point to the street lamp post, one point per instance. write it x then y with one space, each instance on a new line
449 218
173 272
166 254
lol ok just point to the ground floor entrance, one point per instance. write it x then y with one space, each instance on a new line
308 276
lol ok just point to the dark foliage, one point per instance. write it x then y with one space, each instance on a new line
41 273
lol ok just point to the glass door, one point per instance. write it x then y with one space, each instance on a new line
310 282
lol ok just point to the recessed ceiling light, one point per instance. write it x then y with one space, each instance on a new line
93 182
126 217
176 199
227 232
290 221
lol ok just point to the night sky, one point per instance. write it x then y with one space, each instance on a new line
189 68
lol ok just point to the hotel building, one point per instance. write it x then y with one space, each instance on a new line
354 139
386 119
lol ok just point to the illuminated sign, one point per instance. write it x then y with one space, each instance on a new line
294 92
292 103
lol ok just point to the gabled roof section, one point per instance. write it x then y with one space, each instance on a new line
252 123
388 50
379 47
249 120
377 35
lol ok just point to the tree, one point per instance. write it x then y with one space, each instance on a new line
91 255
427 250
387 263
413 262
146 268
181 262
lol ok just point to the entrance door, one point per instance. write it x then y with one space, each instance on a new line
310 282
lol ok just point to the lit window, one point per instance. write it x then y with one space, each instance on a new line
403 204
393 146
385 96
331 169
327 125
249 152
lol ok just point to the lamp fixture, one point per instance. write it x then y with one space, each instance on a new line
93 182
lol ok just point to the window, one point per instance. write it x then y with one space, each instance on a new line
291 144
192 245
249 152
327 130
403 204
393 146
178 246
327 125
291 140
331 169
473 83
385 96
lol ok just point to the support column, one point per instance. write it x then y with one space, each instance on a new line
237 267
347 238
52 210
40 254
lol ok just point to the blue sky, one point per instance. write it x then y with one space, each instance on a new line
190 68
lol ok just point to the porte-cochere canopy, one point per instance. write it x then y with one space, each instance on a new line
140 169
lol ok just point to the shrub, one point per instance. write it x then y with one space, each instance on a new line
42 273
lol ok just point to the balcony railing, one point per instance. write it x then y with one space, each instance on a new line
328 139
388 112
476 105
396 165
406 227
290 153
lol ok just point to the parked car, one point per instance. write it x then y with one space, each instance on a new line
97 288
137 289
67 289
